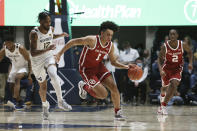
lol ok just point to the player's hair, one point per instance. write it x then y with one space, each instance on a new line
43 15
108 25
175 30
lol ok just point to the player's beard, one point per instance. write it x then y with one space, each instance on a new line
46 28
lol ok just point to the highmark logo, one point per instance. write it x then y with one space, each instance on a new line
105 11
190 10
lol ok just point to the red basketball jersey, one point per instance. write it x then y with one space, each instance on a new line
173 57
91 57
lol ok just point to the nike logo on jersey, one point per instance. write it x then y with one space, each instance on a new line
100 51
176 53
46 39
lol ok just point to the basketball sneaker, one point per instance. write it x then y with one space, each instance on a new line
12 104
162 110
64 105
45 110
119 116
82 92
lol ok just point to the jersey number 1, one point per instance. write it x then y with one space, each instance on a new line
98 57
174 58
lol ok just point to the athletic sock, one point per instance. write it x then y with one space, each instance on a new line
163 104
116 110
163 95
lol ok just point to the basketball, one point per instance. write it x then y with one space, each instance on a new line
135 73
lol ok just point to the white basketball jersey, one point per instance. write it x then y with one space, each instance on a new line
43 42
17 59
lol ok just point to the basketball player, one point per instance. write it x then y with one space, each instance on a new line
43 60
170 62
95 75
21 67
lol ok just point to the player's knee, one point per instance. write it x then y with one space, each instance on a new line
174 83
164 88
104 95
52 75
17 78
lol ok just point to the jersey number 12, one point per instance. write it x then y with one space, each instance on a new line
46 45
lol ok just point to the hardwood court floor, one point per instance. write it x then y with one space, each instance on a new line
100 118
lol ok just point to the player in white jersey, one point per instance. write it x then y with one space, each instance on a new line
43 60
21 67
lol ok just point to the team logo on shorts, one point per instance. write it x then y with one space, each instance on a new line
92 81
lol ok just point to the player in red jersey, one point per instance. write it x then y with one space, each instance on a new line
170 62
95 75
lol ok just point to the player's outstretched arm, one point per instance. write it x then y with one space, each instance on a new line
114 60
33 45
88 40
25 54
187 48
2 54
160 60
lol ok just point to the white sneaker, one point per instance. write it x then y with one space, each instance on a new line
162 110
45 109
119 116
82 92
64 105
11 104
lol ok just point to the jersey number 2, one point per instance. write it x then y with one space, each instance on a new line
98 57
174 58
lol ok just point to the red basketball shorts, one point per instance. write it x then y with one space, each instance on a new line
93 76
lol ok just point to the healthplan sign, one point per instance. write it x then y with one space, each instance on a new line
93 12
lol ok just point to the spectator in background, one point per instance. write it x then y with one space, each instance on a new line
4 64
193 78
155 80
128 55
140 49
184 86
138 87
188 41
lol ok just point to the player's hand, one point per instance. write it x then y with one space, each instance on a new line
51 47
162 73
30 80
131 66
136 84
57 57
65 34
